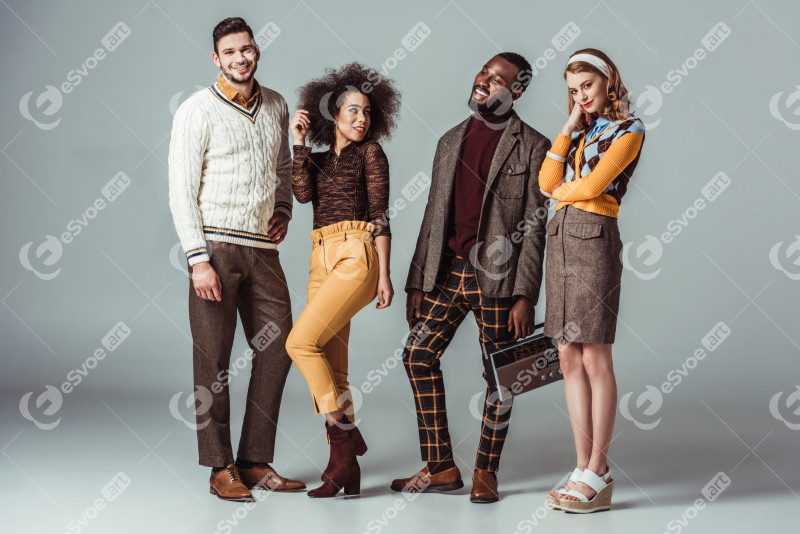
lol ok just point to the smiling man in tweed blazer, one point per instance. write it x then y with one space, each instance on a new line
480 248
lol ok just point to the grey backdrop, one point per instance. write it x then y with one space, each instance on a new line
707 346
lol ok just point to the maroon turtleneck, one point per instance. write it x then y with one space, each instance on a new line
472 172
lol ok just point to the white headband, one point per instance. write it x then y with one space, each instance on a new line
592 60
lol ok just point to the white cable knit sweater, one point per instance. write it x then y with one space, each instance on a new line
229 169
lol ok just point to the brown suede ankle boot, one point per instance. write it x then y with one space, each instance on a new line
343 470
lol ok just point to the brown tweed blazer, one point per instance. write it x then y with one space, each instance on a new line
511 236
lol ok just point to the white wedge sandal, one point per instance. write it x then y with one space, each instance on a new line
601 499
552 496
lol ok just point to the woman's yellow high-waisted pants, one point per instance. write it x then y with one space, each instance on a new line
343 278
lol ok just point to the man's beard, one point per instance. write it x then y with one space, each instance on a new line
231 76
490 105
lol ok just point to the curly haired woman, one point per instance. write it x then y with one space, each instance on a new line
347 111
587 170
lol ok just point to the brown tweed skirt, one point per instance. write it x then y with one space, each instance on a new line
582 276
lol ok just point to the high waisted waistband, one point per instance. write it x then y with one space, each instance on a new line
341 231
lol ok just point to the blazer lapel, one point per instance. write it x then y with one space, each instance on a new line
507 141
452 145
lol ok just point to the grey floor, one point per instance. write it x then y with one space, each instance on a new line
128 464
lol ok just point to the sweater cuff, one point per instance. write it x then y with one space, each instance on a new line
301 149
283 209
197 255
561 145
381 228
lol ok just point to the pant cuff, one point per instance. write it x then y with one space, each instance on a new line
215 461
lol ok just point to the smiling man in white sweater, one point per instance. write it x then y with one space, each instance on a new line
230 194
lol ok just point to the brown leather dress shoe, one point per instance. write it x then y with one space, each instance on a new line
484 487
262 476
424 482
227 485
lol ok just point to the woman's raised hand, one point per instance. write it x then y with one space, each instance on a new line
299 126
574 120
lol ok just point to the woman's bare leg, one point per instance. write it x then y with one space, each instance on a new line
603 405
578 392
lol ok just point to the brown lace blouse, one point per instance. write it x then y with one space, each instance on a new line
353 186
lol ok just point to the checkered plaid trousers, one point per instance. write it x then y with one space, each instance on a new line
442 311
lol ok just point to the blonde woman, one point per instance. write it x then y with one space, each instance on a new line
587 171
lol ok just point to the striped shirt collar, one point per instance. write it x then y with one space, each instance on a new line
235 96
598 125
601 123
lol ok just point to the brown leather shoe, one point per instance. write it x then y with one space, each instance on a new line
484 487
262 476
227 485
424 482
